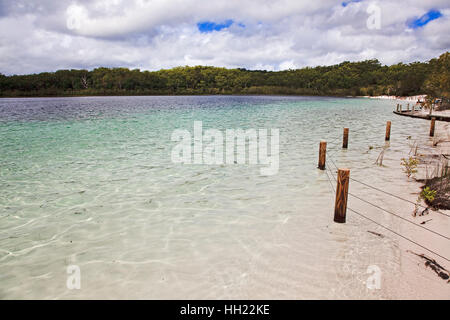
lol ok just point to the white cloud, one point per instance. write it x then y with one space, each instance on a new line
153 34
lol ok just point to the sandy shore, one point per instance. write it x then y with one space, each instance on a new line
420 97
420 280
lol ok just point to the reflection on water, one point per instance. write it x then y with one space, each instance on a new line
89 182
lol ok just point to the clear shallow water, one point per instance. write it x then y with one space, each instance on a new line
90 182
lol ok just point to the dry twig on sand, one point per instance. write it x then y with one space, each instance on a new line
436 267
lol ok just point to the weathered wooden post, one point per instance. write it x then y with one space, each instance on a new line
407 107
388 131
433 120
322 155
340 206
400 108
345 139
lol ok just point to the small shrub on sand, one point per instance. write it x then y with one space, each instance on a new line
410 165
428 195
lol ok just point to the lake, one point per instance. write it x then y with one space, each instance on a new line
89 182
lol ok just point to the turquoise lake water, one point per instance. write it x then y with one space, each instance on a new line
90 182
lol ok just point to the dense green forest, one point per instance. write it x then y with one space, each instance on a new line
347 78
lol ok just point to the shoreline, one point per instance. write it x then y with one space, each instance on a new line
403 98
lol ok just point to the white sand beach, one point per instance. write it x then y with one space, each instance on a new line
415 98
420 281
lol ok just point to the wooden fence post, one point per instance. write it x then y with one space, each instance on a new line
322 155
340 206
345 139
433 120
388 131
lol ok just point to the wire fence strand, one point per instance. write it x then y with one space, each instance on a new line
388 193
398 216
398 234
395 196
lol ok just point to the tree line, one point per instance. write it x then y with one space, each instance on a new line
365 78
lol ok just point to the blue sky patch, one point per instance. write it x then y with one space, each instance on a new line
209 26
423 20
345 3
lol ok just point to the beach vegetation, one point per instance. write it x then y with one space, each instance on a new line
428 195
410 165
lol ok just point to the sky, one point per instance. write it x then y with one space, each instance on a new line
47 35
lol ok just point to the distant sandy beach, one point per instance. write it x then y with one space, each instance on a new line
416 98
